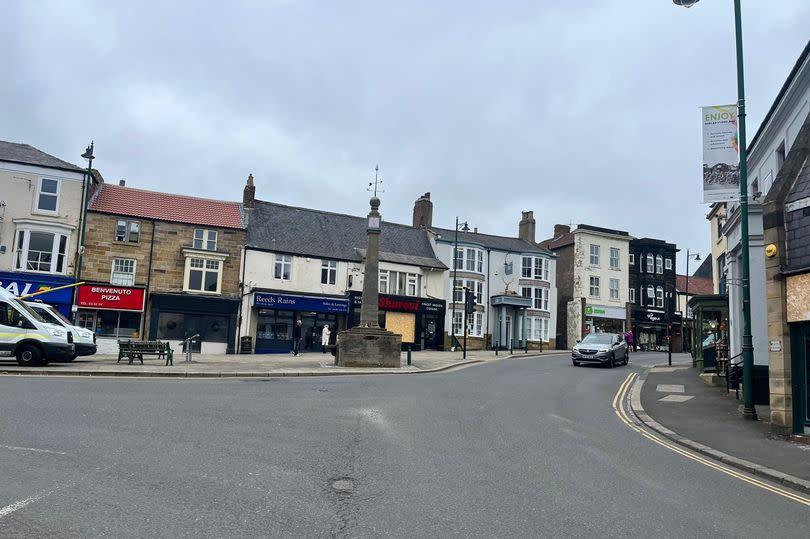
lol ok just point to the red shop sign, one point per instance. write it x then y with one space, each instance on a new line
111 297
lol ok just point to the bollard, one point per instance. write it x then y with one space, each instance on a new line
511 347
497 345
409 356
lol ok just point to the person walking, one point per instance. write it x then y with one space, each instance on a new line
297 337
325 334
630 341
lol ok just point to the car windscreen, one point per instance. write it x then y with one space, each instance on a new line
598 338
28 310
47 315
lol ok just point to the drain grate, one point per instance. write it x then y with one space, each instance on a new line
344 485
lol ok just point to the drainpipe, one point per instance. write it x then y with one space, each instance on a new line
148 284
241 302
489 307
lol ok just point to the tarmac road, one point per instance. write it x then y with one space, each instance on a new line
517 448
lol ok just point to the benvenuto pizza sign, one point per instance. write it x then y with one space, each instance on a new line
120 298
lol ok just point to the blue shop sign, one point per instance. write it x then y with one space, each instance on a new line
21 284
265 300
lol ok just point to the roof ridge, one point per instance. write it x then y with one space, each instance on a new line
113 186
485 234
328 212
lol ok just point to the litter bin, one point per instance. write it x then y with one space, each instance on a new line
246 345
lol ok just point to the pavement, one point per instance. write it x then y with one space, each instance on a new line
521 448
676 403
253 365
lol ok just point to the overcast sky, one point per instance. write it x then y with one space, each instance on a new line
584 111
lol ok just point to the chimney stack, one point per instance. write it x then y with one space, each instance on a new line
122 183
423 212
561 230
249 195
527 226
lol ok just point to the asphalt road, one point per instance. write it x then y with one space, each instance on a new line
517 448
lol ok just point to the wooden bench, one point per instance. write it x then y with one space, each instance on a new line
137 349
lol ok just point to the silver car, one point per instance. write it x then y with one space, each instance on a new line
601 348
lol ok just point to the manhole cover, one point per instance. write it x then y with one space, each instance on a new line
344 485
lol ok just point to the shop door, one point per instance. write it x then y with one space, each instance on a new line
508 342
800 377
194 327
431 332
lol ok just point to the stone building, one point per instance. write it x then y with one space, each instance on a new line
161 266
40 212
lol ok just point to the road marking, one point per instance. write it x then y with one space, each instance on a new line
33 449
619 408
669 388
16 506
676 398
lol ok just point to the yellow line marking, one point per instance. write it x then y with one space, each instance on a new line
619 408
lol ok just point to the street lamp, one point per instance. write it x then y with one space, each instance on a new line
749 412
464 228
86 182
696 257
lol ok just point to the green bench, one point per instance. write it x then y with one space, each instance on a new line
137 349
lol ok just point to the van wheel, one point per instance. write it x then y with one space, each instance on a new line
29 355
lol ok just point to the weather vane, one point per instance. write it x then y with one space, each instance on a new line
377 181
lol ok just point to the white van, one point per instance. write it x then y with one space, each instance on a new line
24 334
84 340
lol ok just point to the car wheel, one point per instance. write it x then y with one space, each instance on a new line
627 357
575 362
29 355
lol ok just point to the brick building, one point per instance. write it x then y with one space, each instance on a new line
161 266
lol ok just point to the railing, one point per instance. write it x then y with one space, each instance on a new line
733 373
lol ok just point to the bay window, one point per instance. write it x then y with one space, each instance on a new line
469 259
535 267
400 283
40 250
203 273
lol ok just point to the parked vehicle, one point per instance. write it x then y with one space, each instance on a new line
84 340
27 336
601 348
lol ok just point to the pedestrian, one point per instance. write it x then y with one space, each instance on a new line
325 334
630 341
297 337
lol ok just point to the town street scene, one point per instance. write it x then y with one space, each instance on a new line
401 269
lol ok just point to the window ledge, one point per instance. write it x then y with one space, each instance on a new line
202 253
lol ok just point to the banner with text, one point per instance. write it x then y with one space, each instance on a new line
721 154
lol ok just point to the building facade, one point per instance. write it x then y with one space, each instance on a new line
305 264
513 279
593 278
40 213
161 266
652 294
717 218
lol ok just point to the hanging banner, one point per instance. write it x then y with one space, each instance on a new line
721 154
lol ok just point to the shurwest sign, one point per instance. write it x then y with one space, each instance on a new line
404 304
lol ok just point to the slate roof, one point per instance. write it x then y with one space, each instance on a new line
704 270
322 234
488 241
698 286
169 207
25 154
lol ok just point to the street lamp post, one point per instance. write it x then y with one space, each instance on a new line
749 412
696 257
86 183
465 228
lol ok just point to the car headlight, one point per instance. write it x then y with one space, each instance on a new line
57 332
86 336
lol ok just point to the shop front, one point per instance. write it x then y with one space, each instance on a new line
277 313
605 319
175 317
420 321
115 312
21 284
651 331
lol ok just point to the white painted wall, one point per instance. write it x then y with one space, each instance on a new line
583 270
18 190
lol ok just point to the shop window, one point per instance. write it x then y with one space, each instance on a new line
614 289
659 297
119 324
614 258
283 267
659 264
47 200
594 255
179 326
40 251
202 275
123 272
594 287
205 239
127 231
328 272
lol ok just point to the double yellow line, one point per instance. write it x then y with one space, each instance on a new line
619 408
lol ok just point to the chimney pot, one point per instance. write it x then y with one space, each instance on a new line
122 183
423 212
249 194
